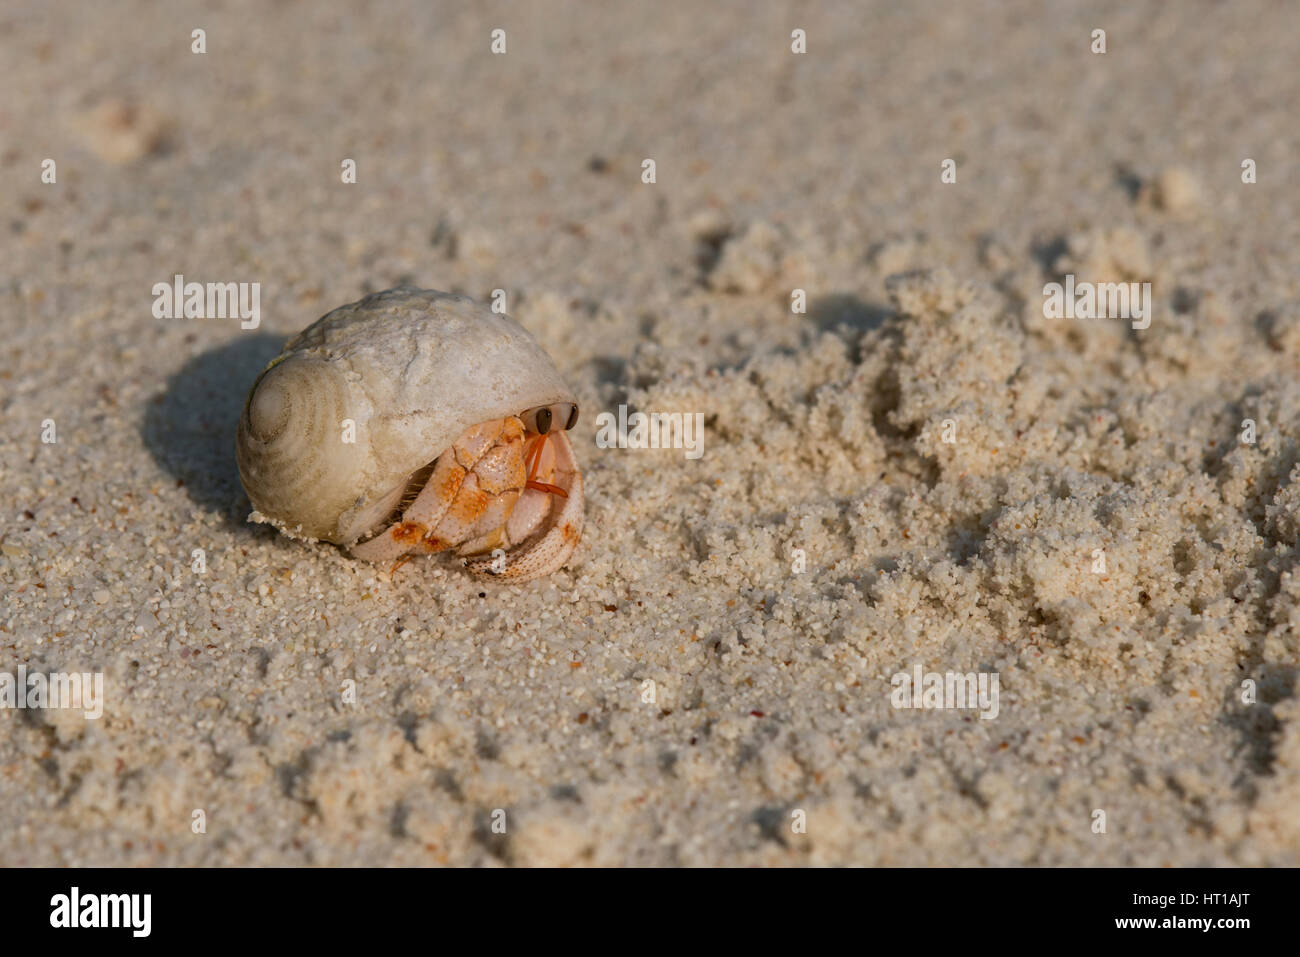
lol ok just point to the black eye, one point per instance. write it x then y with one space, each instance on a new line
573 418
543 421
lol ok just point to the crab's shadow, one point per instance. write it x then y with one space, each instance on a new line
189 428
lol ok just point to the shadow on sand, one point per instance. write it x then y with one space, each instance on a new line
837 310
189 428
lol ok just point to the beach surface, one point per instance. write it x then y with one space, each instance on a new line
921 472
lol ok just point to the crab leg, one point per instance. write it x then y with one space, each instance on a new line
433 501
547 536
511 515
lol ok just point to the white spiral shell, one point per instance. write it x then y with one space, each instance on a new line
410 369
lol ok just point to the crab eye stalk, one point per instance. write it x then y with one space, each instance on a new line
544 418
536 421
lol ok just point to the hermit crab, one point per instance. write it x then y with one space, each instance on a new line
415 421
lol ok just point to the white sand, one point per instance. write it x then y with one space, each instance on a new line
1121 690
